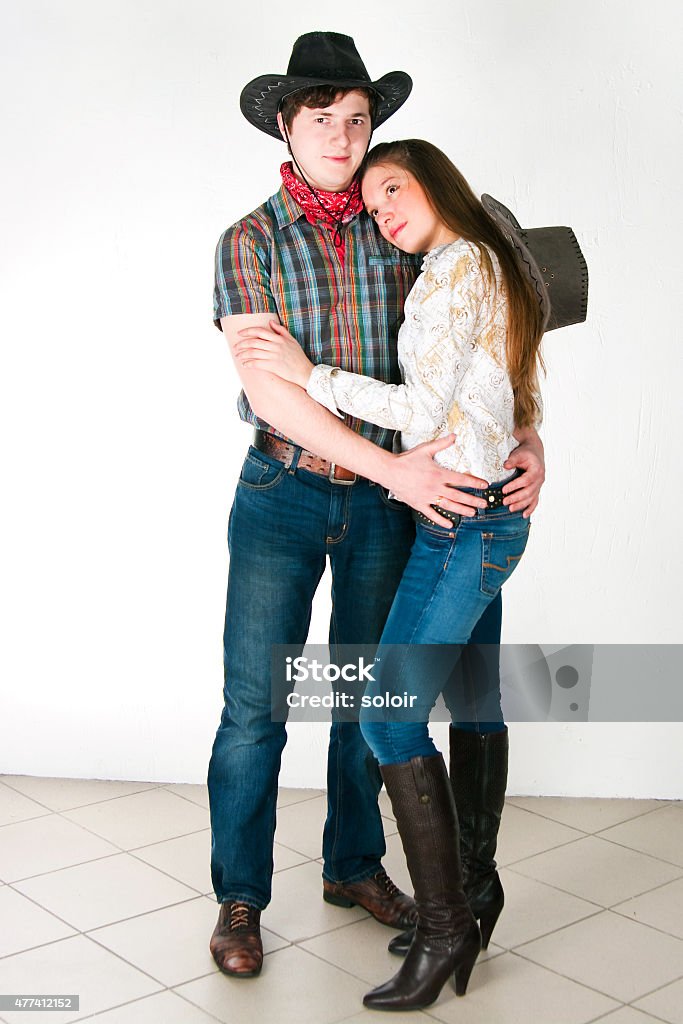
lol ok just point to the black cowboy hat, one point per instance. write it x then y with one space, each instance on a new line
553 260
321 58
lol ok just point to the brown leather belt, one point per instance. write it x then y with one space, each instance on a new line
285 452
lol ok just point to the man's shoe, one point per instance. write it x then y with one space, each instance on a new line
378 895
236 941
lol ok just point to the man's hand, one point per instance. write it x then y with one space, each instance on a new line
523 492
273 348
420 482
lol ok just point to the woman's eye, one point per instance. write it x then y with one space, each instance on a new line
391 189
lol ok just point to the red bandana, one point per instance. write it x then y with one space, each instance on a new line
344 205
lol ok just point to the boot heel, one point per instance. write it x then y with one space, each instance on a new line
338 901
487 922
461 974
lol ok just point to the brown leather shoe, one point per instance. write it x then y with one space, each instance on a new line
236 941
378 895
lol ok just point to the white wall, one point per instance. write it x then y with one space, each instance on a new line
125 157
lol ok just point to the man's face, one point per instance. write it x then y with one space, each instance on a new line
330 142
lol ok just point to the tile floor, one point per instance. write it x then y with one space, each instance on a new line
105 892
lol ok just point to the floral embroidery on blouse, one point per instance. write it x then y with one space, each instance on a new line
451 350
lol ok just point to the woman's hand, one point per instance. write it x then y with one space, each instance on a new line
273 348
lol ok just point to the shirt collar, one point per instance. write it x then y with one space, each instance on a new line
286 209
433 254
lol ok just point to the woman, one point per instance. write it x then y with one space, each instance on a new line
468 350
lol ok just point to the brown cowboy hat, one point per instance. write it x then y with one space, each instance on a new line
552 259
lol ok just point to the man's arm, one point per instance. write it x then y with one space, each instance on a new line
413 477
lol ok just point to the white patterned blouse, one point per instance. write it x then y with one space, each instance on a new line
451 350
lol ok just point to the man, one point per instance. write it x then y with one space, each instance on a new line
312 259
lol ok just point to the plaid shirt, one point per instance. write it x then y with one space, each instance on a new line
347 315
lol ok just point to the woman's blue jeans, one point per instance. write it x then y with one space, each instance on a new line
284 524
451 580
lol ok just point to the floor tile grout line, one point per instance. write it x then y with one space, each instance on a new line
116 852
169 839
653 991
646 892
86 933
149 787
642 814
632 1003
643 853
63 867
512 952
415 1014
593 836
587 899
567 977
65 812
590 832
68 867
20 821
119 1006
328 931
332 963
145 913
181 995
162 871
118 956
555 888
211 971
545 935
540 853
89 934
119 849
606 1016
604 910
45 911
320 793
329 963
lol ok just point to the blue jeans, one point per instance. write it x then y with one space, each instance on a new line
452 578
284 523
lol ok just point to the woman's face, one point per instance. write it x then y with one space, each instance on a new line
399 206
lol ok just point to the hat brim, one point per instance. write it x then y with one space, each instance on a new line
261 98
510 226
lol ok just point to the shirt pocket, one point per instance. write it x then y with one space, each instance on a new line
386 261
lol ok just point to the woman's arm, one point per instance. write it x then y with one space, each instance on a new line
449 306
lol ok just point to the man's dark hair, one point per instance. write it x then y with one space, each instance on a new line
321 96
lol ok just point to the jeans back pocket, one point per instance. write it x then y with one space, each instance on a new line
500 555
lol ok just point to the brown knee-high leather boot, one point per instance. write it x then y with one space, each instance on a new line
478 771
447 939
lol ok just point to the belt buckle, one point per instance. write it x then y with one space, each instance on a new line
333 480
493 496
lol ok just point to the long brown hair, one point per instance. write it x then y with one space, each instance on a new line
456 205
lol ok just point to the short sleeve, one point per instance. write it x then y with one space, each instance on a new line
242 281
